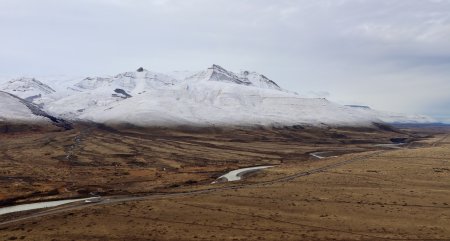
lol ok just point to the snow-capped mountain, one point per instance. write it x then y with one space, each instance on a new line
214 96
222 103
92 92
259 80
217 73
28 88
132 82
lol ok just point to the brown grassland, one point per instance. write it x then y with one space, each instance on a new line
366 193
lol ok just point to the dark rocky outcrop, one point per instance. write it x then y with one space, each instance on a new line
123 93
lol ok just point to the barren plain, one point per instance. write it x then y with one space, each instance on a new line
156 184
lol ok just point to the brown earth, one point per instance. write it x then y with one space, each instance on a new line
373 195
42 164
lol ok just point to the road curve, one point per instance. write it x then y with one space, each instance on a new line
119 199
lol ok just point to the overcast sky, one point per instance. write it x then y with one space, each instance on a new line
389 54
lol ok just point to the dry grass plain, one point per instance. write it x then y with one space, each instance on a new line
94 159
382 195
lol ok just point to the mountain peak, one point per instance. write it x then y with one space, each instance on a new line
259 80
136 81
26 87
145 97
217 73
217 67
247 78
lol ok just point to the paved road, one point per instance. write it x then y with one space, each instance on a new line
120 199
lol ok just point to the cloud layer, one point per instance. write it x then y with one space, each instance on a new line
392 55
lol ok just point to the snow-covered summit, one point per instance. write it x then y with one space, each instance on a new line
27 88
133 82
210 103
215 96
246 78
259 80
217 73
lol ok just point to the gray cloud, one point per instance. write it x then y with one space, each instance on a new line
392 55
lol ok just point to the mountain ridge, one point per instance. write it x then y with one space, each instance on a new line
214 96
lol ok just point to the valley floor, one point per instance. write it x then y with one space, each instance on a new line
90 159
376 194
